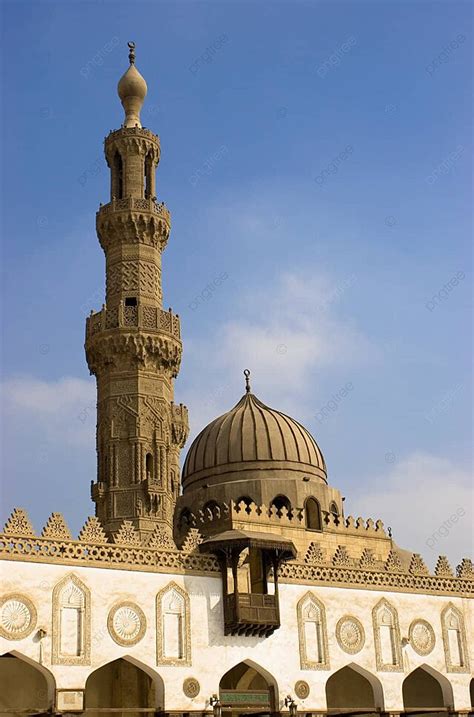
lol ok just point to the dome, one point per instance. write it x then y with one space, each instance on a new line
252 441
132 90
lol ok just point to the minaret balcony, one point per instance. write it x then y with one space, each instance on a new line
143 316
137 204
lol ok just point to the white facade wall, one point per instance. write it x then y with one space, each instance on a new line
213 654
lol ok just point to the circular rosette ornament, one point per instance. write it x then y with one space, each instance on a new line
422 637
17 617
126 624
191 687
350 634
302 689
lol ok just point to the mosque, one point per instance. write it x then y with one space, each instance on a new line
237 586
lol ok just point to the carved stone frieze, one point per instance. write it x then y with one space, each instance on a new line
126 350
133 226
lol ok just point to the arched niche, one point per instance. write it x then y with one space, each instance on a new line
471 692
312 511
27 686
352 687
249 685
425 687
71 622
125 682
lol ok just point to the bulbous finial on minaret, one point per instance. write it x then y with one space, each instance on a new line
132 91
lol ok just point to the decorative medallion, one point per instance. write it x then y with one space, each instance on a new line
302 689
422 637
191 687
350 634
126 624
17 617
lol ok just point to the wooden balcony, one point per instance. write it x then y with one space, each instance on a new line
251 614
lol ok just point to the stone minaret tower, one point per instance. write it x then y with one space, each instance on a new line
133 346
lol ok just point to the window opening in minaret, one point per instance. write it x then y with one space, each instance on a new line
131 301
148 171
118 171
149 466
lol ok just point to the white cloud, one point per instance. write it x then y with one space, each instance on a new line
62 411
284 334
418 497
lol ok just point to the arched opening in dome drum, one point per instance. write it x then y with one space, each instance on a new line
312 511
278 503
117 177
211 509
149 467
245 499
185 520
334 511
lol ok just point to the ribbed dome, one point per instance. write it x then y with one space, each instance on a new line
252 436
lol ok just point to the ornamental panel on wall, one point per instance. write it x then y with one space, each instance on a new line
312 633
454 640
173 627
17 616
422 637
388 652
71 622
126 624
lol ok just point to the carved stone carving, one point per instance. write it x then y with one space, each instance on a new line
422 637
93 532
454 639
350 634
173 626
19 523
312 633
387 637
56 528
71 643
192 540
127 534
443 568
191 687
17 616
126 624
417 565
302 689
314 554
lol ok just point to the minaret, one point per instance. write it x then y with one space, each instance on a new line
132 345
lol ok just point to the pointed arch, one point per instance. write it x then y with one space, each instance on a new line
249 677
312 633
426 687
454 639
144 686
354 687
27 685
387 637
173 626
71 644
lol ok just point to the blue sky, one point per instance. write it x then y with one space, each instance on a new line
317 155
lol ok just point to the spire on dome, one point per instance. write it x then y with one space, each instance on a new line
247 380
132 91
